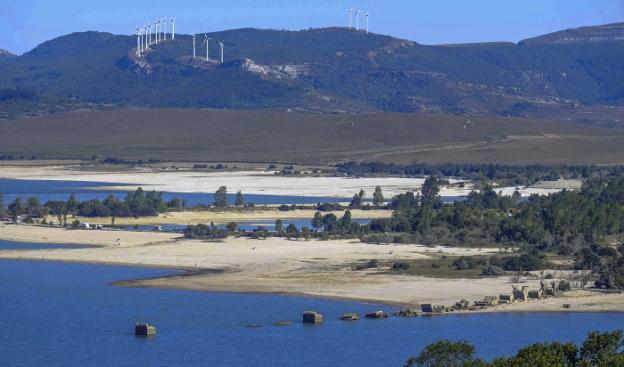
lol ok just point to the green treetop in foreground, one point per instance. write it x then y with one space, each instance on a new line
598 350
220 197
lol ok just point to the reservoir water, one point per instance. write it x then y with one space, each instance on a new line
60 190
64 314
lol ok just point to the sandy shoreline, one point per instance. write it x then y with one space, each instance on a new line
249 181
195 217
280 266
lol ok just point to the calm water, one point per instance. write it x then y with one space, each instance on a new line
61 314
60 190
242 225
8 245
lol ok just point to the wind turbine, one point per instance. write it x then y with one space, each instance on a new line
366 15
149 35
145 43
138 53
221 48
164 20
193 45
173 28
357 20
157 27
206 42
350 11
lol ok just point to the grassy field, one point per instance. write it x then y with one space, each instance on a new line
252 136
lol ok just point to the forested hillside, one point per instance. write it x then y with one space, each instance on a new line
336 70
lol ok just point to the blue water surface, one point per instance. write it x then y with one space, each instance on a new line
61 190
62 314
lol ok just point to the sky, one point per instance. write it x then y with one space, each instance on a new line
26 23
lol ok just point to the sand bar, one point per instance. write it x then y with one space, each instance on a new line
278 265
195 217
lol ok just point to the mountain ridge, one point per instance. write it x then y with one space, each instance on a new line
335 70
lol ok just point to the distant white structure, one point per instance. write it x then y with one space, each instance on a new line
138 34
193 45
221 48
153 33
207 43
350 11
173 28
356 12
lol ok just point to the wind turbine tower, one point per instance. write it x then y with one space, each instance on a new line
357 20
350 11
138 53
366 15
207 43
221 48
172 28
164 20
193 45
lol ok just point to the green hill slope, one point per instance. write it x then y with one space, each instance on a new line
336 70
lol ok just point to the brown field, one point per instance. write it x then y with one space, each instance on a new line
252 136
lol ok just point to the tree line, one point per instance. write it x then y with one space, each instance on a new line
598 350
510 175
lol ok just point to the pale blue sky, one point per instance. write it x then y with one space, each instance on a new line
26 23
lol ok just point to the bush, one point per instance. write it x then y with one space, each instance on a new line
400 266
524 262
463 263
492 270
370 264
564 286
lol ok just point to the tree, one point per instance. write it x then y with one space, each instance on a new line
16 208
231 227
378 197
292 231
600 349
239 200
357 200
542 355
58 208
279 226
72 204
33 207
430 191
220 197
317 221
329 222
305 233
345 221
444 354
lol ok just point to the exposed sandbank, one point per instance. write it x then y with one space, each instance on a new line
277 265
195 217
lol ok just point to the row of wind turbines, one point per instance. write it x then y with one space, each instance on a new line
357 12
153 33
207 43
156 32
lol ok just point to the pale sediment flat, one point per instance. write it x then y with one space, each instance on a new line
259 182
44 234
220 217
278 265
